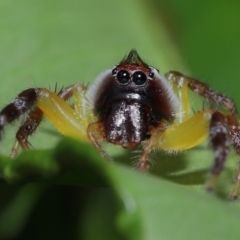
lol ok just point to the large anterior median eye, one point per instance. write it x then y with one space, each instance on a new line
123 76
139 78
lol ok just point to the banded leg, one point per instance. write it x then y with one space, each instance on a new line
39 102
203 90
234 132
32 122
219 139
25 101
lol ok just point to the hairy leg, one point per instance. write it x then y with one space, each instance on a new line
219 139
152 143
234 132
33 120
203 90
24 102
233 128
37 102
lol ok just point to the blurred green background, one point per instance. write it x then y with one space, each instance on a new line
47 42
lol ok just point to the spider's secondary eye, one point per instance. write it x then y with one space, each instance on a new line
123 76
114 71
151 74
139 78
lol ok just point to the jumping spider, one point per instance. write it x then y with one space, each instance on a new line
129 105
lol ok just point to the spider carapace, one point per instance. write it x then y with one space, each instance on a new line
129 105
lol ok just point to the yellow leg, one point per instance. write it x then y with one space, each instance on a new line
188 134
178 137
181 89
61 115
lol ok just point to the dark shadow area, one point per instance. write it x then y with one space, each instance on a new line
167 166
65 212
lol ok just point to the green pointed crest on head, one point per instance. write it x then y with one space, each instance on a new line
133 59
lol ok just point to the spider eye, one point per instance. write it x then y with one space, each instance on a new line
139 78
114 71
123 76
151 74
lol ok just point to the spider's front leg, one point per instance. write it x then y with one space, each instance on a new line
33 119
20 105
23 103
39 102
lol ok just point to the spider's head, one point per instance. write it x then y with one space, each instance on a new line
132 71
133 81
